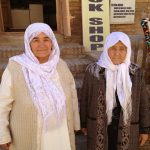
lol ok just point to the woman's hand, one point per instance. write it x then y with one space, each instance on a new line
5 146
84 131
142 139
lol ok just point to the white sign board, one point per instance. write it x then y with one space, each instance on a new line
122 11
95 23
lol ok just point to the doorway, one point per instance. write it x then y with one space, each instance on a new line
32 11
49 10
16 15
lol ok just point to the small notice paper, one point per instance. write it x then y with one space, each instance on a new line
122 11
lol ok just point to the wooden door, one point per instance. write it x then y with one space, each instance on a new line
5 15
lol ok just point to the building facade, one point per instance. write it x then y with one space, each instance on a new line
65 18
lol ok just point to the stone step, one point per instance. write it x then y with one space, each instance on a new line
69 50
77 65
17 38
9 51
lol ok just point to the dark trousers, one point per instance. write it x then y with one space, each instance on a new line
112 137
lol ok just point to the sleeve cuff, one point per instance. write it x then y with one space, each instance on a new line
5 138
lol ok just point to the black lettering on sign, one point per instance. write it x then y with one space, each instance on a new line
95 29
96 46
95 0
96 33
96 38
95 7
95 21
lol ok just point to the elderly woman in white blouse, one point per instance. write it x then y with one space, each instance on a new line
38 100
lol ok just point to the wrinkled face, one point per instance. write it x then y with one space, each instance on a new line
117 53
41 47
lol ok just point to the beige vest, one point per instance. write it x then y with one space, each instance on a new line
23 116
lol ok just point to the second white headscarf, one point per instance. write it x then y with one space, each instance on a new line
117 77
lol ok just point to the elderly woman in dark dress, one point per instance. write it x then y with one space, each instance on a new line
115 110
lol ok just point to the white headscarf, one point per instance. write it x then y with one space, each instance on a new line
42 79
117 77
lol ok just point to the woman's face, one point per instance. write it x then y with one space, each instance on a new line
117 53
41 47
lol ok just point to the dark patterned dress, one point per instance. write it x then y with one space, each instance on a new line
116 136
112 129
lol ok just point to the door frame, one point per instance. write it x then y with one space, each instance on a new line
63 17
1 18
